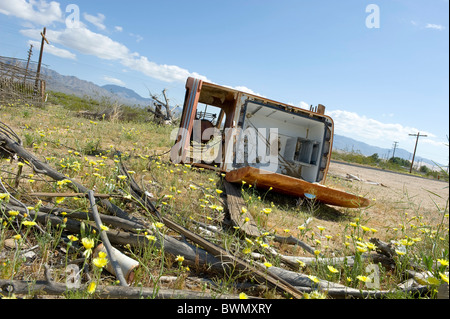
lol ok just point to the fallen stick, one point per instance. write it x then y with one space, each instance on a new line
10 146
306 284
258 273
238 211
114 221
72 195
193 254
22 287
294 241
104 236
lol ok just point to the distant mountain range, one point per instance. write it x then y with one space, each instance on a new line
347 144
73 85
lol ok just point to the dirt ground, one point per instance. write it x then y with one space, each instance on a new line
394 186
392 194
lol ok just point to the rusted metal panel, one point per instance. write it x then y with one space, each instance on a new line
295 187
252 132
193 88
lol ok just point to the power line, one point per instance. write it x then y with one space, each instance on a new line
44 39
415 148
395 146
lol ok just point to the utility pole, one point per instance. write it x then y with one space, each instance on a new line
40 60
395 146
415 148
30 52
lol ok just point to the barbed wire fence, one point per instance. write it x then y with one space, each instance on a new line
20 84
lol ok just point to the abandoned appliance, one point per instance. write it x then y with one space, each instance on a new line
259 141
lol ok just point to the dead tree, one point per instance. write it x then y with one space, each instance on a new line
160 117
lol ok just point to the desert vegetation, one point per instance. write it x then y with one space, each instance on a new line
171 218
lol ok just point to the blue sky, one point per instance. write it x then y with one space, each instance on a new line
381 71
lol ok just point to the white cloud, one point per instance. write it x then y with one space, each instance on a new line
303 105
246 90
380 134
40 12
87 42
365 129
51 49
138 37
96 20
434 26
114 80
118 28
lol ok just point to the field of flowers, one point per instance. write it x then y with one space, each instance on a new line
414 263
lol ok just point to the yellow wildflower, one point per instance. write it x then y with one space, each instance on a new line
443 262
29 223
72 238
313 278
4 196
158 225
88 243
242 295
363 279
100 262
361 249
400 252
91 288
314 295
444 277
332 269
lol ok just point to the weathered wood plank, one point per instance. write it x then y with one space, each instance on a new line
235 203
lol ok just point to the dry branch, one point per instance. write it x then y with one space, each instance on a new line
22 287
241 218
306 284
258 273
105 240
294 241
40 167
171 245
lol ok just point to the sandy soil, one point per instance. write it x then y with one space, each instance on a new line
394 186
392 194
